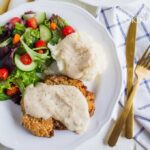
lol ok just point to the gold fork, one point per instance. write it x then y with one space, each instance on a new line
142 70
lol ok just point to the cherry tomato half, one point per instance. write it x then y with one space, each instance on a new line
32 23
67 30
14 20
40 51
3 73
40 43
12 91
26 59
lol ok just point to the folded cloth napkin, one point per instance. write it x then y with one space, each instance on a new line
116 20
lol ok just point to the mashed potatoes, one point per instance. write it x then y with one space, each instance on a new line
79 56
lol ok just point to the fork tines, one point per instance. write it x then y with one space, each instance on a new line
145 59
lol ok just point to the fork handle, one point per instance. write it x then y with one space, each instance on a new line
123 117
130 124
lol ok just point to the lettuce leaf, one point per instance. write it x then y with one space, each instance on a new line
21 79
31 36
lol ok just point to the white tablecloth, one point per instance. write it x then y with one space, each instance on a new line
98 142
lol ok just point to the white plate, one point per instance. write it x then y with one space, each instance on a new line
92 2
107 90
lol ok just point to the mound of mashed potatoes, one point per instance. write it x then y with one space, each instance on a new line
79 56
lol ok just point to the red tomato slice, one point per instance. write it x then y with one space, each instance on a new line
32 23
12 91
40 43
40 51
67 30
25 59
14 20
3 73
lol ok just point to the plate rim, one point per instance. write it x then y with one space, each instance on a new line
117 62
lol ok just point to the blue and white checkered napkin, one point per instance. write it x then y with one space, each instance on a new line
117 20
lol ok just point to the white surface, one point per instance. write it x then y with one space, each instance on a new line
107 2
13 135
96 143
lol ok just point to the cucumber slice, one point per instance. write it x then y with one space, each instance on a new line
41 17
28 16
23 67
45 33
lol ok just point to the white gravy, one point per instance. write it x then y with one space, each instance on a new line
61 102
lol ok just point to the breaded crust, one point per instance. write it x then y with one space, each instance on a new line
37 126
45 128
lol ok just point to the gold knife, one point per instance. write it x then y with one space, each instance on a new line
130 53
4 6
130 49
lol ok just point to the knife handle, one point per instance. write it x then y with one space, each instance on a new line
130 119
123 117
129 124
4 6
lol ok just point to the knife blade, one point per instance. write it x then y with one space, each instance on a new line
130 54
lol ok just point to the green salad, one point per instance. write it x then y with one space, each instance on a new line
24 54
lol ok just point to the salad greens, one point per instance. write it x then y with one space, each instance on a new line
3 97
6 42
2 29
31 36
21 79
34 55
61 23
24 52
19 29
